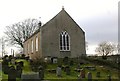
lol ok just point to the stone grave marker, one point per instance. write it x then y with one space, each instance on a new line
82 73
13 61
89 76
55 60
12 74
67 70
41 72
18 70
65 60
71 62
59 71
92 68
5 66
78 66
21 63
109 77
79 78
30 77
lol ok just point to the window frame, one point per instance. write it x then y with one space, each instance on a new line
65 46
32 47
36 43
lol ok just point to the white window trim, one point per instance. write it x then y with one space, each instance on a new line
28 48
36 43
32 46
65 41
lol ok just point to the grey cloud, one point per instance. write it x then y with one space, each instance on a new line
102 28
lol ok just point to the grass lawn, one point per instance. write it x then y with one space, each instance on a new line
104 72
73 75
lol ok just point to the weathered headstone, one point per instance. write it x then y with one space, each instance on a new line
12 74
51 70
71 62
13 61
82 73
59 71
30 77
5 66
21 63
67 70
89 76
92 68
47 59
18 70
41 72
79 78
65 60
109 77
55 60
78 66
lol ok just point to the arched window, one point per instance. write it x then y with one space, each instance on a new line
32 46
28 47
64 41
36 46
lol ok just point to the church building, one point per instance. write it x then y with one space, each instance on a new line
60 37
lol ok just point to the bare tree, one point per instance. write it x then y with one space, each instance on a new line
19 32
105 48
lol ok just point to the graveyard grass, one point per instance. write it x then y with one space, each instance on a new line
73 75
26 70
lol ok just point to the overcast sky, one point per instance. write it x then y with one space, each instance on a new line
98 18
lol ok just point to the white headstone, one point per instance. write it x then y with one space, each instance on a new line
55 60
58 71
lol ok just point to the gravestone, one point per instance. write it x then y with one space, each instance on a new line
67 70
109 77
59 71
18 70
51 70
98 74
47 59
30 77
79 78
12 74
21 63
89 76
65 60
78 66
71 62
92 68
5 66
55 60
41 72
13 61
82 73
